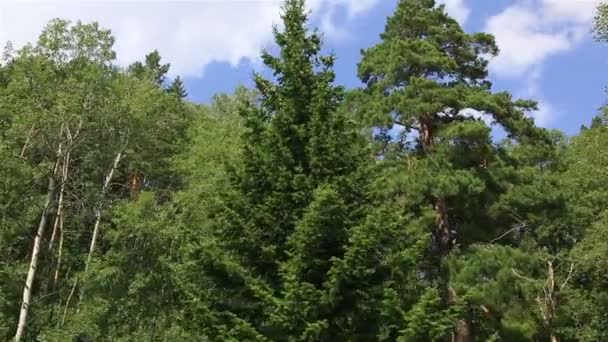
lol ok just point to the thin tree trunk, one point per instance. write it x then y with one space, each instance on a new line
59 219
98 212
67 302
549 303
27 141
59 252
64 177
29 282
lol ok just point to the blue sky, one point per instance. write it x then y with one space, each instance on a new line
547 51
569 84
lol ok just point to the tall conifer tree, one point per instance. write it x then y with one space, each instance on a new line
427 75
303 183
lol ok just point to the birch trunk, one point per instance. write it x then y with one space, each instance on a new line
27 289
27 141
99 208
59 218
98 212
64 177
59 253
58 226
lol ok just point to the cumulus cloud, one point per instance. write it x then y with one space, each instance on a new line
188 34
530 31
546 113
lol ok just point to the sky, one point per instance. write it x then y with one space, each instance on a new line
547 53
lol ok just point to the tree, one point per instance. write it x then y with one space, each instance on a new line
427 75
300 190
75 122
151 69
600 24
177 88
65 56
297 211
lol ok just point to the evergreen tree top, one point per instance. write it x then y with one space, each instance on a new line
177 88
427 68
421 40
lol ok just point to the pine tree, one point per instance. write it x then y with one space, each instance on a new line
128 213
426 75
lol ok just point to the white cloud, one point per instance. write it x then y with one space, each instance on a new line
188 34
576 11
530 31
457 9
546 113
474 113
522 41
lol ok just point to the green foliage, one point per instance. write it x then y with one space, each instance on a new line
600 23
292 212
177 88
151 69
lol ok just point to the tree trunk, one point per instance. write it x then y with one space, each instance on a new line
27 141
426 134
29 282
59 218
462 332
59 253
135 183
443 236
64 176
58 226
98 209
98 212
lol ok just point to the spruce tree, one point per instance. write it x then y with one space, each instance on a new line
177 88
301 189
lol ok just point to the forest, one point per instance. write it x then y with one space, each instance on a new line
297 210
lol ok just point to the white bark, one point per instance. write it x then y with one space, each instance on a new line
27 289
98 209
58 226
27 141
59 218
98 212
64 179
59 253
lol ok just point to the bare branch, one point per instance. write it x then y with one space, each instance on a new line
521 276
508 232
568 277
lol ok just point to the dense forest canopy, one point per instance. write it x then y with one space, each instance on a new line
293 211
